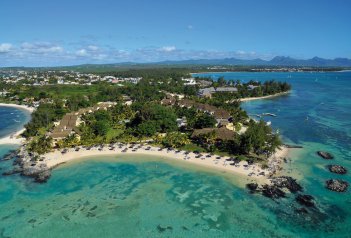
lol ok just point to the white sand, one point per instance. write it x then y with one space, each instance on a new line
15 138
263 97
55 158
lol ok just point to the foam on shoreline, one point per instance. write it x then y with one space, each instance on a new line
14 138
23 107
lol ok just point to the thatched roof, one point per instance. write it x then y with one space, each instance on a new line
218 113
221 133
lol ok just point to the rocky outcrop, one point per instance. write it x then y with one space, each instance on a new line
325 155
338 169
26 164
287 182
337 185
41 173
306 200
252 187
43 176
272 191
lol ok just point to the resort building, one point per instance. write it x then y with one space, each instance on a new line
219 113
252 87
189 81
221 133
70 122
207 92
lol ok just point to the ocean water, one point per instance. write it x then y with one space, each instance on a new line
11 119
148 197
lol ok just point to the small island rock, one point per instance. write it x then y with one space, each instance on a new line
272 191
325 155
306 200
338 169
337 185
287 182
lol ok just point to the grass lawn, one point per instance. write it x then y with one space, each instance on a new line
113 133
192 147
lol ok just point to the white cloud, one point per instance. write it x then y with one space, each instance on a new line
241 52
5 47
99 56
82 52
41 47
46 53
167 48
93 48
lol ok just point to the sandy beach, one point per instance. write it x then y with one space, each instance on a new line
14 138
23 107
264 97
242 168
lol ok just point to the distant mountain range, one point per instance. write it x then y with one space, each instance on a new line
279 61
276 61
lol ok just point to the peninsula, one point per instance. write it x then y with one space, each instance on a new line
160 112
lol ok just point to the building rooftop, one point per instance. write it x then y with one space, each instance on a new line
221 133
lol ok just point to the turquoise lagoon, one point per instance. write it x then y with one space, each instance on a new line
146 197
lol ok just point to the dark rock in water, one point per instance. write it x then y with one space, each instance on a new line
337 185
17 161
11 154
93 208
42 177
32 220
325 155
40 173
338 169
301 210
293 146
163 229
306 200
287 182
272 191
15 170
90 214
252 186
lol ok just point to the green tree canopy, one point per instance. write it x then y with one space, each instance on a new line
204 120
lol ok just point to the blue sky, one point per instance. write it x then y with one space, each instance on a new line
68 32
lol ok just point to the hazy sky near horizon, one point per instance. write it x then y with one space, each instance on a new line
66 32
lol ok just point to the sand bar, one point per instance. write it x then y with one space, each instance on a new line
263 97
